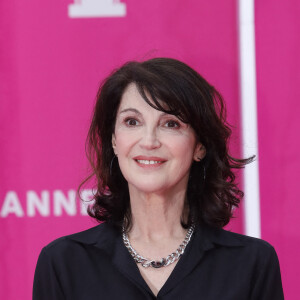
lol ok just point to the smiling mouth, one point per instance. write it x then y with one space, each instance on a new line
148 162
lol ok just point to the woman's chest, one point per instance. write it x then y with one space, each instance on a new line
156 278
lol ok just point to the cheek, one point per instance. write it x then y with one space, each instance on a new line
183 147
124 142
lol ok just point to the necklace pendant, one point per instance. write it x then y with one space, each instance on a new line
158 264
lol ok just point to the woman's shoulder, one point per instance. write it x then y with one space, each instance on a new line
250 247
63 261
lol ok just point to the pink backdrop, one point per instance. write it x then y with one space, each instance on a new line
50 69
278 92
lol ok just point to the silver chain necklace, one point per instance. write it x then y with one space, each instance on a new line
164 261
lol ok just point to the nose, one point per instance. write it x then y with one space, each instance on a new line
150 140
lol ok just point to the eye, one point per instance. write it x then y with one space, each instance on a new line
131 122
172 124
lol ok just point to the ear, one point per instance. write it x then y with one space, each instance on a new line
200 152
113 142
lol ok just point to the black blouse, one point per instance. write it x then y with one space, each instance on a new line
216 265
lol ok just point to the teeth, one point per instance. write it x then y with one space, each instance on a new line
148 162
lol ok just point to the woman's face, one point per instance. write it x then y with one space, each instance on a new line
155 150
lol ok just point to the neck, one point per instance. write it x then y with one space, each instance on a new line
157 216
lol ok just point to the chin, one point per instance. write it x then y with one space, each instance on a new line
149 187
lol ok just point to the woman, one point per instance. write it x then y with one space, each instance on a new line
158 146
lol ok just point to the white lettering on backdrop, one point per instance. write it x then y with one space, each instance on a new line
68 203
11 205
46 204
96 9
34 203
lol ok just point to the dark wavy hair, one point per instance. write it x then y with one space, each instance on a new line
177 89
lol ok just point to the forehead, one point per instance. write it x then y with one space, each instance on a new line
131 98
131 95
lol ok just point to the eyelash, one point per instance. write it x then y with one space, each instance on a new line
176 123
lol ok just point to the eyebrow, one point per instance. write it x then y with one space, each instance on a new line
137 112
130 109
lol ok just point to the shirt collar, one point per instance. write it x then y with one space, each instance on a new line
102 236
208 237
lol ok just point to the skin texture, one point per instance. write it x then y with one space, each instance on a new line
157 191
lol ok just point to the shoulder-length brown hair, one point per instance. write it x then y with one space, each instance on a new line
177 89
